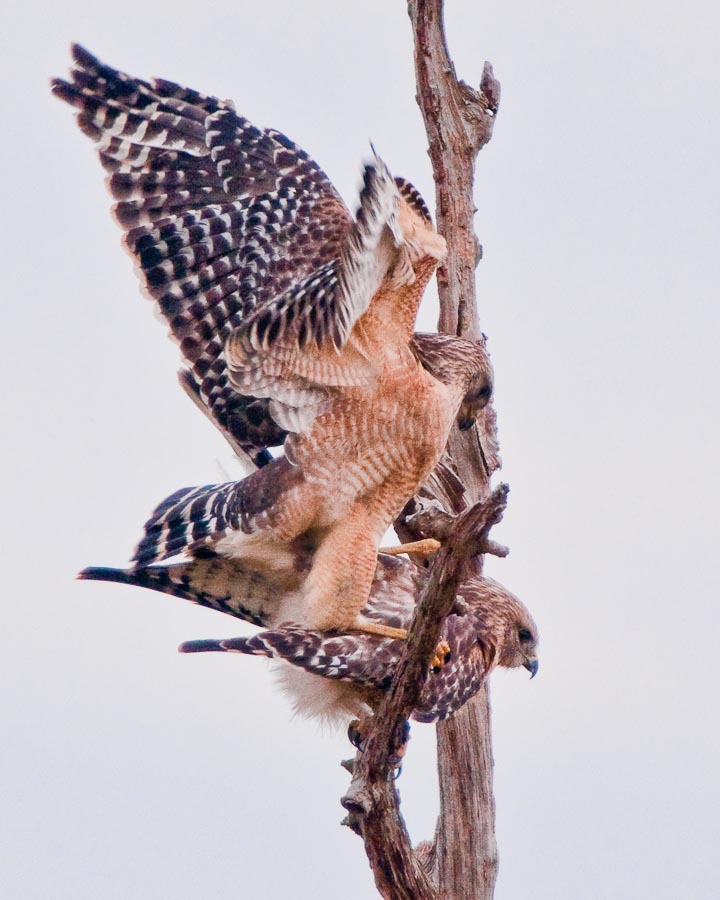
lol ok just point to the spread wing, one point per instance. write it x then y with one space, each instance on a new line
196 518
219 216
234 230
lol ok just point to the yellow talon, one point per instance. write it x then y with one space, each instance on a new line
442 651
427 546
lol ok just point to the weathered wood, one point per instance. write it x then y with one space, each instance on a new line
459 122
466 850
461 864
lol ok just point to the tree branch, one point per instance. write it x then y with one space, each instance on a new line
459 121
372 801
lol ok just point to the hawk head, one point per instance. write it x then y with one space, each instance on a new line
505 629
462 363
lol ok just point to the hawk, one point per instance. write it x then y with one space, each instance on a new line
295 322
342 675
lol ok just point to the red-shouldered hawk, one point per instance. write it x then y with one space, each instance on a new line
295 322
338 675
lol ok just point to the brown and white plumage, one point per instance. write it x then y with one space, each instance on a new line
222 220
264 518
287 311
219 216
334 675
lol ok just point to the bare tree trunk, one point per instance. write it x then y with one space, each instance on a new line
462 863
459 122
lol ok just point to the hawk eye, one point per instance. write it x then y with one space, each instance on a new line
479 395
524 635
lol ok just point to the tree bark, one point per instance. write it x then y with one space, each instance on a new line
462 862
459 122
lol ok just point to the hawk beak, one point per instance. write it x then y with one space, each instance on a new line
532 665
465 424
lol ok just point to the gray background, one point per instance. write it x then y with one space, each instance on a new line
130 772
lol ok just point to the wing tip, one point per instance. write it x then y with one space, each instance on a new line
63 90
81 55
377 166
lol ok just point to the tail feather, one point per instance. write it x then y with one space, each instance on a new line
200 646
212 581
106 573
248 645
362 658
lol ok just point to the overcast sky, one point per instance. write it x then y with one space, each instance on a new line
129 772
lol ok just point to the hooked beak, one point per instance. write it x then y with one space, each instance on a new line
465 424
532 665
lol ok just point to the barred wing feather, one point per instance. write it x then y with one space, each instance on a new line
219 217
238 234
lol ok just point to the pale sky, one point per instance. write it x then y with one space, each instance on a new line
129 772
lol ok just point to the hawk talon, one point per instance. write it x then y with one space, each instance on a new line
442 654
398 755
357 732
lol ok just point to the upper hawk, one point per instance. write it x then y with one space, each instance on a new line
295 322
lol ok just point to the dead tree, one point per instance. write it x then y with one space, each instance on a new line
461 863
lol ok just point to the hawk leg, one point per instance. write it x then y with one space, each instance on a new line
358 731
367 626
338 584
